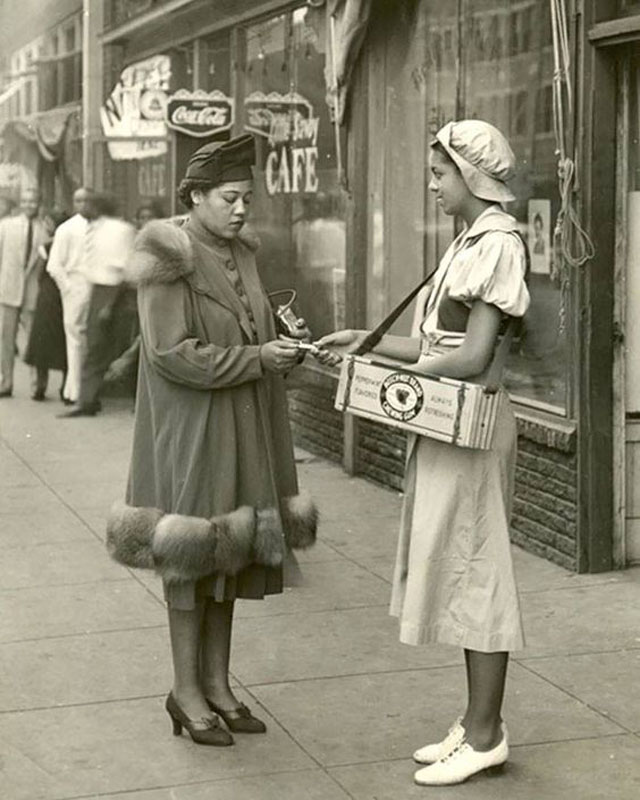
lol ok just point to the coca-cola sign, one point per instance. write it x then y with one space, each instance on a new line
200 113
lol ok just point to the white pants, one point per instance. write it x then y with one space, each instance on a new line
75 307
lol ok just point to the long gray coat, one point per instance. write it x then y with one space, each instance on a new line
211 429
19 282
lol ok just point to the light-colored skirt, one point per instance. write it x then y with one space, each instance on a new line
453 581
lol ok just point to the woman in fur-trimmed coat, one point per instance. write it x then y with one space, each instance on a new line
212 437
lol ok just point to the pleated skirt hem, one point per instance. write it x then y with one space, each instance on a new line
253 583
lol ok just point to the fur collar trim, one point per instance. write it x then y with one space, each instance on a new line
182 548
163 252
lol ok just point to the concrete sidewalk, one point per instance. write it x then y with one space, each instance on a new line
85 663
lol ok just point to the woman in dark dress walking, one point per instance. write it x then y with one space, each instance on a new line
46 348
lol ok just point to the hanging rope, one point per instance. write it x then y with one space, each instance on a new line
336 86
571 240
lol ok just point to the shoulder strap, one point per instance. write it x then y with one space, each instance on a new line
493 377
373 338
494 374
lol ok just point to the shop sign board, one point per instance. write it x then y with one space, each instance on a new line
200 113
133 116
290 126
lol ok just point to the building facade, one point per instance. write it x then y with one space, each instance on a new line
40 97
345 217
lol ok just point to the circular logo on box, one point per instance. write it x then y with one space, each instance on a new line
401 396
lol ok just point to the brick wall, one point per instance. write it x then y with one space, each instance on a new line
381 454
316 425
544 519
545 507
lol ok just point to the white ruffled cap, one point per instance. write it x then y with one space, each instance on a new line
482 155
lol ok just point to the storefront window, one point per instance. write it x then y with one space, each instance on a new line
204 67
215 63
182 67
297 204
505 77
522 77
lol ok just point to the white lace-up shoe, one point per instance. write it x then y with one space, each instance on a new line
431 753
461 763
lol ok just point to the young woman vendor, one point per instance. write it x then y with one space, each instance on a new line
454 580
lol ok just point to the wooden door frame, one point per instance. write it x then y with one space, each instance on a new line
619 315
600 498
610 38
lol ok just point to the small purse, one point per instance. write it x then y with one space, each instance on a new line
288 323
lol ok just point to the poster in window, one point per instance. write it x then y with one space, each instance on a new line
539 236
133 116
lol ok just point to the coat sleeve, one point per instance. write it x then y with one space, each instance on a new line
180 357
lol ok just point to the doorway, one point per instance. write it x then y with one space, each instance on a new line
627 312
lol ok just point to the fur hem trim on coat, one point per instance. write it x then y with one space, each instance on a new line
163 252
183 548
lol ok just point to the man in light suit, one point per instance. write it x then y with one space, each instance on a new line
67 268
108 242
20 237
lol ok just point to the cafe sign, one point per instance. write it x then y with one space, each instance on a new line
200 113
290 126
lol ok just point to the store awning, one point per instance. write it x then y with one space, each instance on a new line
46 129
50 127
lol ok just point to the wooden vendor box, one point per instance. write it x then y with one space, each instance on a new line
460 413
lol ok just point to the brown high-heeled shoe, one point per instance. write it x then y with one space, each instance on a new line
204 731
240 719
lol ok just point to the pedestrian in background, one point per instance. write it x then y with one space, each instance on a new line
108 243
212 436
125 366
454 581
21 236
46 349
66 266
146 212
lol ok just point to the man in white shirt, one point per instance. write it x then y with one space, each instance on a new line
20 238
66 267
107 247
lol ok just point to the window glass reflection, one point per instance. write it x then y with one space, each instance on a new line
505 77
297 204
